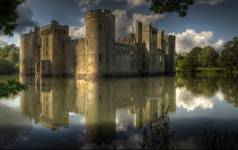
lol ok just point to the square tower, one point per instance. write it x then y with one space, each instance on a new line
52 53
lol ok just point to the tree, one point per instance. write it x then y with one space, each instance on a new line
10 52
180 61
6 66
208 57
170 6
190 62
229 56
8 15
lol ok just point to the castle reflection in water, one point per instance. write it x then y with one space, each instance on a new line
49 101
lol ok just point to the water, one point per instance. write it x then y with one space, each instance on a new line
117 113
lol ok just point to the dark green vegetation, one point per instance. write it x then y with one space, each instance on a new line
9 59
170 6
11 87
208 60
229 56
8 15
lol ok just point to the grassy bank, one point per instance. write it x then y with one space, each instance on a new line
202 71
207 72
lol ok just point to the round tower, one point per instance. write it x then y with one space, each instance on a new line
99 41
27 65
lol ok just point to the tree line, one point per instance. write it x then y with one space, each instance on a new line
9 59
208 57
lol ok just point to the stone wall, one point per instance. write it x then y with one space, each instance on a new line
70 57
124 61
81 68
29 52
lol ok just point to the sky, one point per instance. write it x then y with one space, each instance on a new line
209 22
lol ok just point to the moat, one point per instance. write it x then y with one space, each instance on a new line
118 113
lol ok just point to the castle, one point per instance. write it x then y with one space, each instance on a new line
50 51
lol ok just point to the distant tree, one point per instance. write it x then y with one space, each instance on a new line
10 52
229 56
180 61
8 15
9 59
170 6
189 64
190 61
208 57
6 66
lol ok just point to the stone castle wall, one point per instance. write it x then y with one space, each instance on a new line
29 51
146 52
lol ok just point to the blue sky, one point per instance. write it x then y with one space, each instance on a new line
209 22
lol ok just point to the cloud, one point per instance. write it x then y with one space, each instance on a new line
189 39
135 3
147 19
25 20
3 43
210 2
87 4
124 23
77 32
187 100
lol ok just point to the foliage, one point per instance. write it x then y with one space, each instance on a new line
6 66
8 15
229 56
197 57
208 57
157 135
9 59
10 87
170 6
10 52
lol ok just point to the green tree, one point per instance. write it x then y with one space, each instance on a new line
179 61
229 56
208 57
10 52
170 6
189 62
6 66
8 15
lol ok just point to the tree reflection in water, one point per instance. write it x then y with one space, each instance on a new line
157 135
220 139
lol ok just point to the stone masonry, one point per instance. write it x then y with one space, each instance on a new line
50 51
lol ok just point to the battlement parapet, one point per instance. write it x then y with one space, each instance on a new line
98 13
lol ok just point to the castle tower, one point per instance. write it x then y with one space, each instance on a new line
150 37
138 32
29 51
99 42
161 40
52 61
170 65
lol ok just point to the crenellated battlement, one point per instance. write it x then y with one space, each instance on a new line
98 13
55 28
